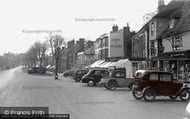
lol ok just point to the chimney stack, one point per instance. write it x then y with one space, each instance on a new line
114 28
161 5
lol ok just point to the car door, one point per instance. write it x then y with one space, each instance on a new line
153 81
104 73
97 76
166 85
121 79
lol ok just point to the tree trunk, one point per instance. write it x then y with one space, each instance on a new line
56 68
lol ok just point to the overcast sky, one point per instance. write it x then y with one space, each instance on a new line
66 15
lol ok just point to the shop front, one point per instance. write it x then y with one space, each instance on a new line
177 62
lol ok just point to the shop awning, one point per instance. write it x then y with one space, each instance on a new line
107 65
96 63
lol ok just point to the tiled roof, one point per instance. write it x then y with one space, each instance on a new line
183 23
171 8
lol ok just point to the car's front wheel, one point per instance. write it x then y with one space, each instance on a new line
149 95
77 79
112 85
91 83
137 94
185 95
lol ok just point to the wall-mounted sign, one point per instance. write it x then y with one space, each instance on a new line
116 44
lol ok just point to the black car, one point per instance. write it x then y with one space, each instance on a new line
94 76
79 74
37 70
68 73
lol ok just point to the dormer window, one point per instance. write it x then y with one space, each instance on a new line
172 21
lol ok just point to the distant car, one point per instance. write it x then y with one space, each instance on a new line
117 78
79 74
37 70
94 76
68 73
151 83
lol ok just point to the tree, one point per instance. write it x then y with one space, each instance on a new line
36 54
57 45
40 50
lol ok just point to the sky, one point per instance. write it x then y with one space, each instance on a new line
23 22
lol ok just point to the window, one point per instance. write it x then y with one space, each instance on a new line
153 77
165 77
79 72
171 23
152 46
152 29
123 74
97 72
117 74
104 72
177 43
138 74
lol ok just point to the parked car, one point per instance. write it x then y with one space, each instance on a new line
94 76
116 78
79 74
7 67
151 83
38 70
68 73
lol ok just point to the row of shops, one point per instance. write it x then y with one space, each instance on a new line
176 62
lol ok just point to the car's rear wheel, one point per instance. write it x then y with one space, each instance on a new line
91 83
112 85
185 95
77 79
137 94
149 95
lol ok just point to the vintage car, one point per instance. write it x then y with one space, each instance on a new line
151 83
79 74
68 73
116 78
37 70
94 76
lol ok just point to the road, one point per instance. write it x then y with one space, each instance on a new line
80 101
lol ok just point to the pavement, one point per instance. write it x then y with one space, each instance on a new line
65 96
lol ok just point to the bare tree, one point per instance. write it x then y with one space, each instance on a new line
36 54
40 50
57 45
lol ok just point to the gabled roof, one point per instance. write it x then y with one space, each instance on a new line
90 51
